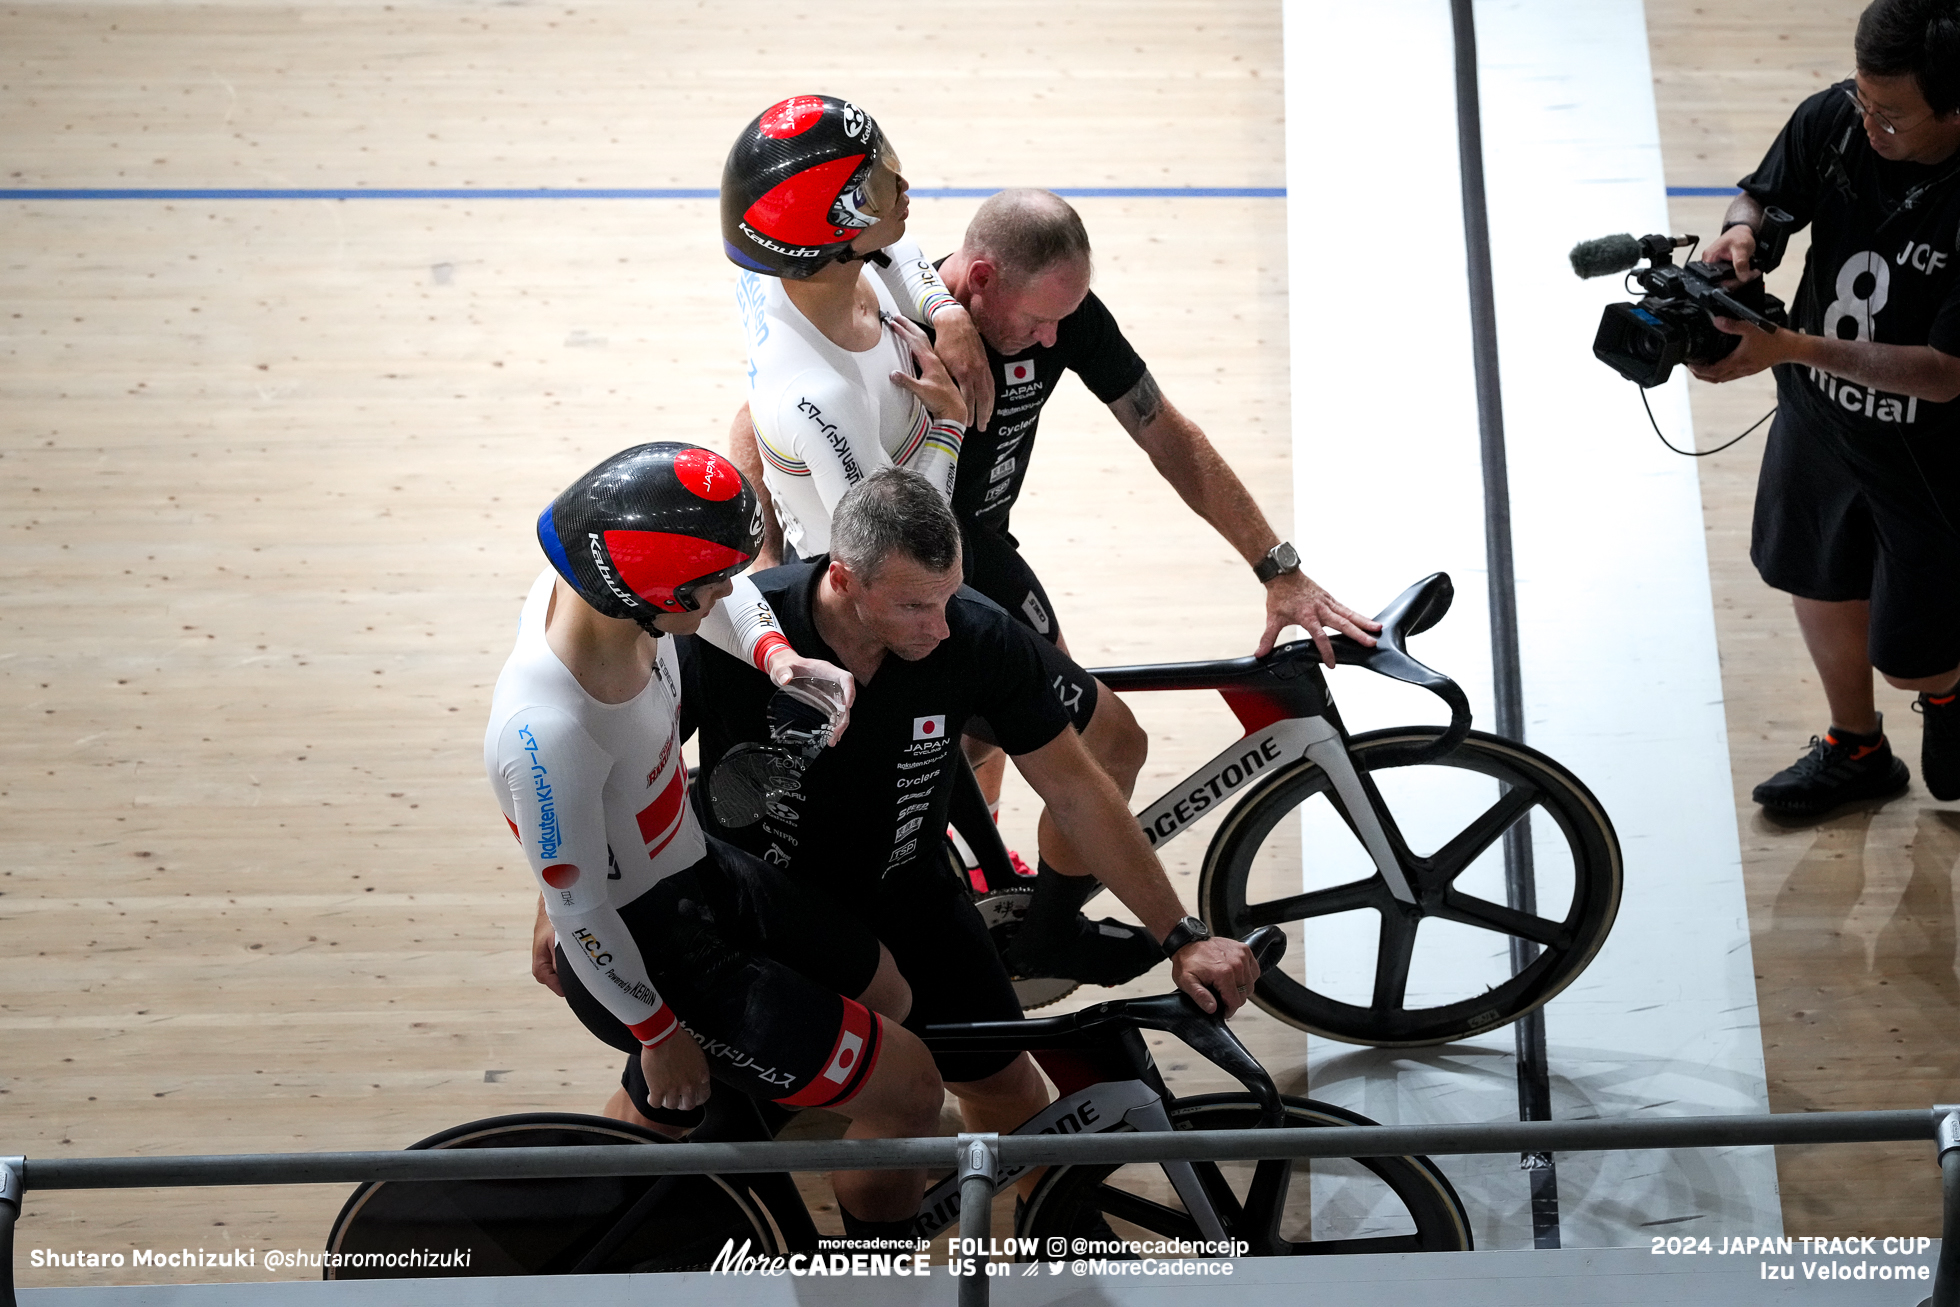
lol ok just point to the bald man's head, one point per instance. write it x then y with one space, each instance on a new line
1025 232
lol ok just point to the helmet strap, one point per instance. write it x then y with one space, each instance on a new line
878 257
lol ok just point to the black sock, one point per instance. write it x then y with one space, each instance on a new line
858 1228
1050 923
1843 736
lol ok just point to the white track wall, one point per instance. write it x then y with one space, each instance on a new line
1621 681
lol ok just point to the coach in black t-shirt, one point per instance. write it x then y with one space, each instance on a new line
866 825
1859 495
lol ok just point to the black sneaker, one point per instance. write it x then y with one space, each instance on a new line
1840 768
1939 743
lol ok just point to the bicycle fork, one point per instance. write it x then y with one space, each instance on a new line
1267 750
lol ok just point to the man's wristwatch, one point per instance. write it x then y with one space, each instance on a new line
1188 930
1279 560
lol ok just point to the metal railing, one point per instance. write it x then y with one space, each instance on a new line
979 1160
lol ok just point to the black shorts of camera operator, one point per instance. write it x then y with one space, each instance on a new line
1859 494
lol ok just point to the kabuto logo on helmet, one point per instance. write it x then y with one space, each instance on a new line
777 247
604 565
854 120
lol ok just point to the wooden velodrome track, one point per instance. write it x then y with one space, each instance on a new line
271 468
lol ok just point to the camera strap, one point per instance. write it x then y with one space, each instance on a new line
1834 172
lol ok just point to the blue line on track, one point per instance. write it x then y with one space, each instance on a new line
668 193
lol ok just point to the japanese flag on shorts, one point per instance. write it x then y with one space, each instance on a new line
849 1045
929 728
1020 373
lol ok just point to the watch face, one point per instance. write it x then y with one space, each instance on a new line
1286 556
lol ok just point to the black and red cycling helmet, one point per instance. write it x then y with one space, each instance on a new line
796 189
640 533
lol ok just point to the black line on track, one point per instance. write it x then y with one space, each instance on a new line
1520 882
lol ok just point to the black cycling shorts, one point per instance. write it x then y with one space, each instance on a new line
1842 519
994 567
942 948
757 970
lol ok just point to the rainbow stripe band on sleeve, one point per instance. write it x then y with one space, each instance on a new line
946 437
933 301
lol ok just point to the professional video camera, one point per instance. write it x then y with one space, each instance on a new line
1673 323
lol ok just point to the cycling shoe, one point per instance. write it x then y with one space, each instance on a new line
1096 952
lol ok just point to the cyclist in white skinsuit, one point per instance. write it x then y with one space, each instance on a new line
812 188
809 190
827 417
693 958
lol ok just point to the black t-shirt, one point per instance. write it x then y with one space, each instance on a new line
994 462
1884 262
875 804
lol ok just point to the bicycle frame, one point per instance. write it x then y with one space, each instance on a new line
1103 1069
1282 702
1108 1080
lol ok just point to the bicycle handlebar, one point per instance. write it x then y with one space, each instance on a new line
1413 611
1175 1013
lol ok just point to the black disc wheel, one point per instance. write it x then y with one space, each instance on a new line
1470 954
1279 1208
546 1227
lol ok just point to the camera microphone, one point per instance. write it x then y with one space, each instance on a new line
1610 254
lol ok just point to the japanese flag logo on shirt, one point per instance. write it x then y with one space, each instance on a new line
929 728
1020 373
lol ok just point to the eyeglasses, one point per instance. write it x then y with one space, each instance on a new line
1885 124
875 194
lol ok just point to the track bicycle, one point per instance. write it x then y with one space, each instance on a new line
1328 824
1106 1080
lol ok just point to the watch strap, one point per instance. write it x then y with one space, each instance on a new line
1188 930
1280 559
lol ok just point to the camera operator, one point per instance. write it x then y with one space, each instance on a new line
1860 485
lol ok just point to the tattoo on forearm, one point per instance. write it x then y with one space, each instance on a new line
1144 401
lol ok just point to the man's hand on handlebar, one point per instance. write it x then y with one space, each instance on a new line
1225 965
1296 599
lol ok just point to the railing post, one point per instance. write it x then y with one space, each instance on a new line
979 1165
13 1172
1946 1143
